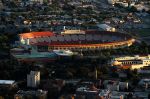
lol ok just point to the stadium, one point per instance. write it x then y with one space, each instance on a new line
75 40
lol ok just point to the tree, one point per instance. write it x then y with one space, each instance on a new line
148 96
118 5
129 96
83 72
148 11
133 9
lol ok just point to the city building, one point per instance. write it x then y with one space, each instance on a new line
39 1
104 94
88 0
114 85
6 87
141 7
145 83
105 27
131 62
87 92
39 94
7 82
33 79
112 2
117 95
111 85
140 71
36 1
141 95
123 85
123 4
72 32
1 5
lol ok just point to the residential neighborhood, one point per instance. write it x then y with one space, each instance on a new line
74 49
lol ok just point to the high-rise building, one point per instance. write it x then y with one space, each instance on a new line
33 79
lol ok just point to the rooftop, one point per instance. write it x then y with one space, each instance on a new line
36 34
31 92
7 82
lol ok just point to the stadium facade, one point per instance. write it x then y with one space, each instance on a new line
86 40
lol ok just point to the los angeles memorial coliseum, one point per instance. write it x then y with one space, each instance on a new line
76 40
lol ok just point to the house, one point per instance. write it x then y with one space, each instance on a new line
39 94
111 85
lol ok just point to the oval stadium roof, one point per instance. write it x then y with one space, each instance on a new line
36 34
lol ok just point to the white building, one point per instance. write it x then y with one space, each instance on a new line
72 32
123 4
33 79
105 27
112 1
36 1
9 83
135 62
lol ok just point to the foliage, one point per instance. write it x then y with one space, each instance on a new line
132 9
143 32
4 42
